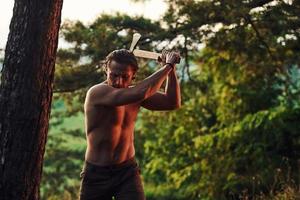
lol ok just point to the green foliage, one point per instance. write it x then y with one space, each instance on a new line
64 155
220 164
290 94
237 89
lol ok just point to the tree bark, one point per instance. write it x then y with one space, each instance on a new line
25 96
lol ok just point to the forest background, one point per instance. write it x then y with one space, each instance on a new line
237 134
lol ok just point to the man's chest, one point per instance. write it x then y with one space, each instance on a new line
123 115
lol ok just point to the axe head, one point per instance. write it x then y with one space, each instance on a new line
142 53
136 37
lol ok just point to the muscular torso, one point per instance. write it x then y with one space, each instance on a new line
110 133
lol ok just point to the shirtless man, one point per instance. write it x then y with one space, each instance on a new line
111 109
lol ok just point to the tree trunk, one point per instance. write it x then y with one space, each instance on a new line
25 96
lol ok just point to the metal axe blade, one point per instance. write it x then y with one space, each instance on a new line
135 39
143 53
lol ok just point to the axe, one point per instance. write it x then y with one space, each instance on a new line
143 53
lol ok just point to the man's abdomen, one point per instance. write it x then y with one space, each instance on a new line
110 149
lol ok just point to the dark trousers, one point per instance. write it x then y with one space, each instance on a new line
121 181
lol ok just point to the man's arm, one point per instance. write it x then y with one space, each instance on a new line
108 96
169 100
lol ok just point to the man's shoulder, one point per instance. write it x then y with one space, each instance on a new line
101 87
95 92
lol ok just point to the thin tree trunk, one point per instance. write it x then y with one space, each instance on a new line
25 96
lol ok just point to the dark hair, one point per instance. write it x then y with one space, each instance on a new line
123 56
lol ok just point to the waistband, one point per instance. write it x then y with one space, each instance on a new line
118 166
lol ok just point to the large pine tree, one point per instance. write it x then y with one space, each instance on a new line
25 96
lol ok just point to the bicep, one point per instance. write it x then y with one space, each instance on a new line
158 101
109 96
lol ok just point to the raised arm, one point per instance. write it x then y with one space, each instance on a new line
173 90
170 99
109 96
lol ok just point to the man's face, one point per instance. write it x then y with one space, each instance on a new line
119 75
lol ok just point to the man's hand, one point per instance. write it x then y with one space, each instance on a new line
171 57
